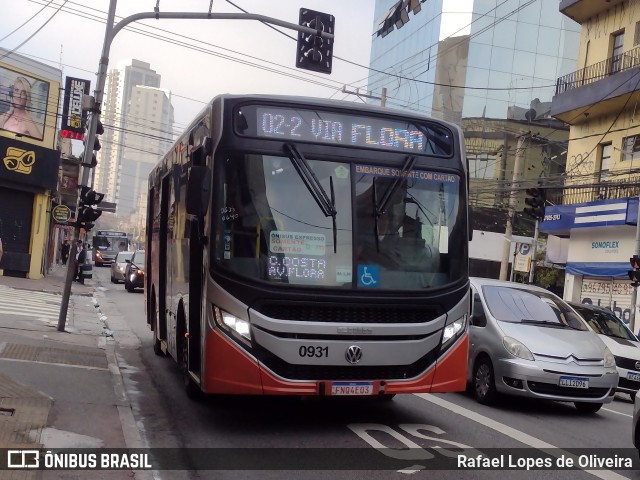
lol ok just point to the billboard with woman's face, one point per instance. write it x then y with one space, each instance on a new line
23 103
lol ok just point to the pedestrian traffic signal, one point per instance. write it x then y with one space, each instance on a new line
90 197
314 52
536 199
87 211
86 217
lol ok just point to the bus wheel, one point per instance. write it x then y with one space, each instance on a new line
191 388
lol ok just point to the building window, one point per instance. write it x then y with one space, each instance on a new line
636 37
616 51
605 165
482 166
631 147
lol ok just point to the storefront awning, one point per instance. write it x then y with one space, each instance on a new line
599 269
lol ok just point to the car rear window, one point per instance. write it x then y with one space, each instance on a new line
138 257
123 256
519 305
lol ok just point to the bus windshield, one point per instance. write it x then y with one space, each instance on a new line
393 229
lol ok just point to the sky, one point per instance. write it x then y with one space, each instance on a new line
197 59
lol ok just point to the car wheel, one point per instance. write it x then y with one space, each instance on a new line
633 396
113 279
128 287
587 407
484 386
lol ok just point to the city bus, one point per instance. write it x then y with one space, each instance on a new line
107 244
301 246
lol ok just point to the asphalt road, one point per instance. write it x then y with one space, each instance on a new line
354 432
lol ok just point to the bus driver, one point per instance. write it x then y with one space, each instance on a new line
392 240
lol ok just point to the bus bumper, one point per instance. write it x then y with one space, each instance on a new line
230 370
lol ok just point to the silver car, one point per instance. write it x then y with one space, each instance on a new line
119 265
526 341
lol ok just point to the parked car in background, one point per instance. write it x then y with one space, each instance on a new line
526 341
134 272
621 341
119 266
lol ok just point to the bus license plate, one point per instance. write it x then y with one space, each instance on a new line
351 388
633 376
575 382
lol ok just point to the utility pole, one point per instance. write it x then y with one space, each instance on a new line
382 97
111 31
534 247
513 202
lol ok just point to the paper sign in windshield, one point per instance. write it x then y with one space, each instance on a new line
296 243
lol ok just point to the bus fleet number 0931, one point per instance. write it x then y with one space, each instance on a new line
313 351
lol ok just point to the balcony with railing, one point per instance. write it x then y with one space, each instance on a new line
604 190
599 88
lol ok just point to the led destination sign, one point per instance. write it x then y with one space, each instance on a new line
333 128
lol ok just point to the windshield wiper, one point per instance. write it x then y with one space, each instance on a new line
545 323
408 165
327 205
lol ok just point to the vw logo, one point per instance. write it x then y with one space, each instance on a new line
353 354
637 365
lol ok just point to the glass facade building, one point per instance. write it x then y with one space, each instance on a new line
489 66
504 57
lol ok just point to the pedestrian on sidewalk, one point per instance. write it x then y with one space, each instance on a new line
64 251
81 258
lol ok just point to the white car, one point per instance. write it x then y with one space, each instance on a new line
621 341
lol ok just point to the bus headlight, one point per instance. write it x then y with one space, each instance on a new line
453 331
232 323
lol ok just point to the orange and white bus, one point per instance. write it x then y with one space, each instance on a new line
300 246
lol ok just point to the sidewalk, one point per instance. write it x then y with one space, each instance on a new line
61 389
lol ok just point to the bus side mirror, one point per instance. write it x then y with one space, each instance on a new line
198 190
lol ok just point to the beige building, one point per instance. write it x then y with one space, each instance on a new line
600 100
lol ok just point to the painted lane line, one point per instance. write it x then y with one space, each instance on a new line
521 437
619 413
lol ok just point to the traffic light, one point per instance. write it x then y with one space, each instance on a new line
87 211
536 199
634 275
314 52
96 142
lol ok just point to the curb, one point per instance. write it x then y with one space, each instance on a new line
130 430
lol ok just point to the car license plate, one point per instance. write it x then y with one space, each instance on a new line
351 388
633 376
575 382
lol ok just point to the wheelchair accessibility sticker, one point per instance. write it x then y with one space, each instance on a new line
367 275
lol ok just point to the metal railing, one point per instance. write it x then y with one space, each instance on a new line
598 71
606 190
